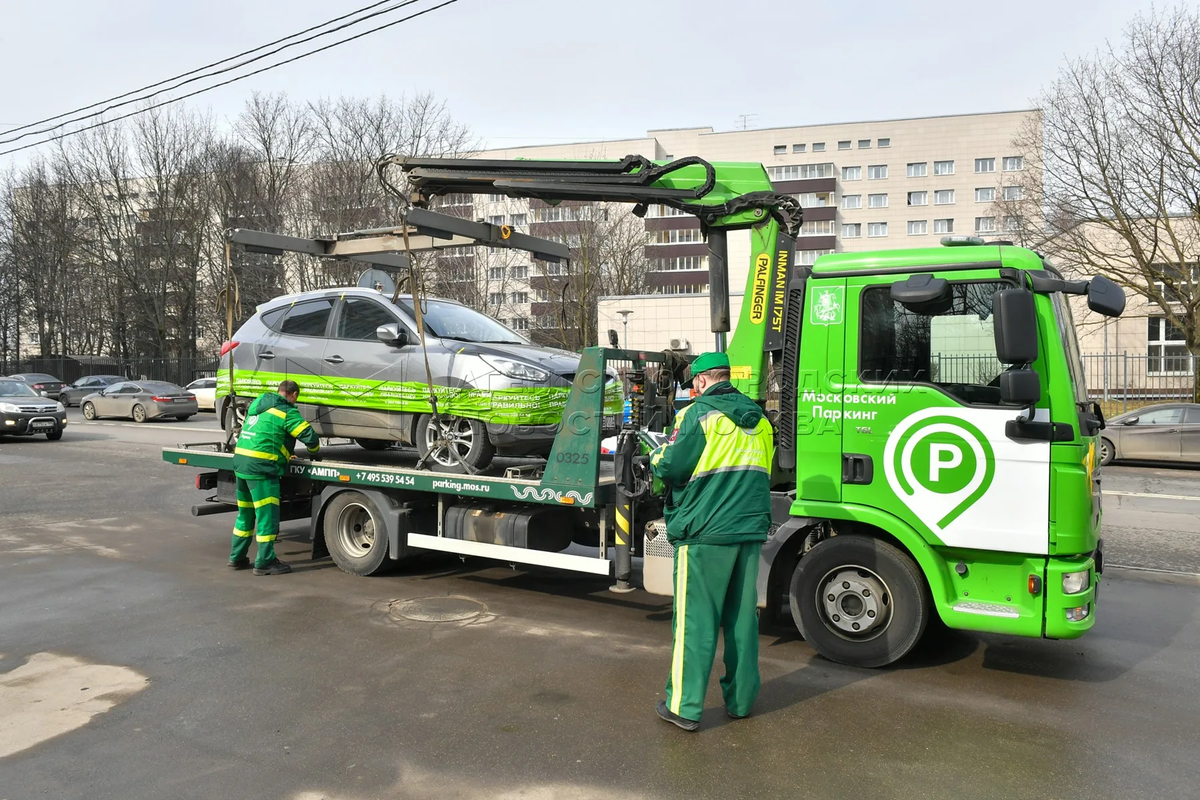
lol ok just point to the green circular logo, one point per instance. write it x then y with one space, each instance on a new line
944 462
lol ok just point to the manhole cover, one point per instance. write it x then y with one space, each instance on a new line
436 609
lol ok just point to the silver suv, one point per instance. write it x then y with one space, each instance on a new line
359 364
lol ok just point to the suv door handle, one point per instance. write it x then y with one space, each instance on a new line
334 359
267 354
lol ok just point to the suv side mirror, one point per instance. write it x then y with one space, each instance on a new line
1020 387
1014 324
1105 297
392 334
1131 421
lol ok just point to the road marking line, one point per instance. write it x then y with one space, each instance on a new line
1149 494
150 427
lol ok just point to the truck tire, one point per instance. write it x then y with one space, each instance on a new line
356 534
469 438
859 601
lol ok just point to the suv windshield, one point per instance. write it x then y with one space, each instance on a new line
453 321
16 389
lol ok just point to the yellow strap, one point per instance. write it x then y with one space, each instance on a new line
264 538
241 534
266 501
277 412
299 429
680 623
242 451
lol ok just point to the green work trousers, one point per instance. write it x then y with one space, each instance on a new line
715 589
258 506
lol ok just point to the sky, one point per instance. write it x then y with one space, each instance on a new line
535 71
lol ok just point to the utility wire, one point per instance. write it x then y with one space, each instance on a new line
213 74
330 46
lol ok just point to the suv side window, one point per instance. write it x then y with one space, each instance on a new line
272 318
360 317
952 347
307 319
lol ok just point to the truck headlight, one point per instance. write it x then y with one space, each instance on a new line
516 369
9 408
1078 614
1076 582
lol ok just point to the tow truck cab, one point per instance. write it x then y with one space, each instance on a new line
940 406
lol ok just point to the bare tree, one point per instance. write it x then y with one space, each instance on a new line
1112 178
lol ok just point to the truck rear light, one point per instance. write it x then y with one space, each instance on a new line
1076 582
1078 614
228 346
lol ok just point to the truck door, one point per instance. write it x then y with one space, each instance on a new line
819 388
924 434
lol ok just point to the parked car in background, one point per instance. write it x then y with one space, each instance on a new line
45 385
140 401
71 395
1162 432
205 390
24 412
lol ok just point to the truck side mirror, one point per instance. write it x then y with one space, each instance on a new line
1014 324
1105 297
392 334
1020 387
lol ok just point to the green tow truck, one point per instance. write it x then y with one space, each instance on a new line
936 447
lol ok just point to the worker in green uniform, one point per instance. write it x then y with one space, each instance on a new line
716 467
260 459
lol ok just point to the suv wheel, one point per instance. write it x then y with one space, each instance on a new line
461 441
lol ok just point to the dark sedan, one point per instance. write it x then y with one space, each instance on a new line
1163 432
140 401
72 395
45 385
23 412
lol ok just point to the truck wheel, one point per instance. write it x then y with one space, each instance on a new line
373 444
1107 452
859 601
466 437
355 534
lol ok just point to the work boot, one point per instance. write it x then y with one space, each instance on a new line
735 716
275 567
687 724
240 563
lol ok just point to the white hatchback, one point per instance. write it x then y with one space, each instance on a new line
205 390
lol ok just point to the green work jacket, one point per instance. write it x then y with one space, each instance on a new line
268 437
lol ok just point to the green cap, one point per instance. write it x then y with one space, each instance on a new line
703 363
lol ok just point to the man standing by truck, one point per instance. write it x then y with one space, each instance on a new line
716 467
260 459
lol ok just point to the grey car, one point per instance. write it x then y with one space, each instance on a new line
73 394
1163 432
24 412
359 362
140 401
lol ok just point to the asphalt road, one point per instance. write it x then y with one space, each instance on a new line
134 664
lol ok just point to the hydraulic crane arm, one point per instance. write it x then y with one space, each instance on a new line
724 196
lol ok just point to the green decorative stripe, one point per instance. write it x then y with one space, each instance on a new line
519 406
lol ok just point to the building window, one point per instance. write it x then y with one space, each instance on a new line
562 214
800 171
519 323
943 197
876 229
1166 352
985 165
844 144
985 224
817 228
918 198
852 230
918 169
877 172
678 236
818 147
496 299
852 173
659 210
864 144
943 226
679 264
701 288
877 201
1012 224
495 273
520 272
781 149
496 198
918 227
519 298
943 168
497 220
852 201
806 258
985 195
1013 163
799 148
815 199
1013 193
519 220
885 142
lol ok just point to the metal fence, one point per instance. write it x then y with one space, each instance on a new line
1129 380
69 369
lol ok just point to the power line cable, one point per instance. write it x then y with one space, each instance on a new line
191 72
213 74
235 79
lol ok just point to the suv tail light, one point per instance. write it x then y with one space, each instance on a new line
228 346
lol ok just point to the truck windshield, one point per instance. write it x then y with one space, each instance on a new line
453 321
1066 330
